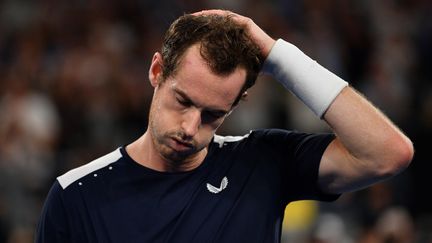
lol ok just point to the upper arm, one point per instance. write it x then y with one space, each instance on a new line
339 171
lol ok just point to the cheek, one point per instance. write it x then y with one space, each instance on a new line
166 121
163 115
207 131
213 126
203 139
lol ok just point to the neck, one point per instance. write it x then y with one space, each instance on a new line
144 152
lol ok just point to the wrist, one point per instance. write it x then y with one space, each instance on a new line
267 46
316 86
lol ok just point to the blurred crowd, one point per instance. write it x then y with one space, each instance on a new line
74 86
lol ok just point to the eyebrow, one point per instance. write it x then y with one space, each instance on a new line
189 100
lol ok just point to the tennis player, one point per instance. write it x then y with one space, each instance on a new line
180 182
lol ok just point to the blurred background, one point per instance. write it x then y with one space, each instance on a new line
74 86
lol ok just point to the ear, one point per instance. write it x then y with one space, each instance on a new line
244 95
155 71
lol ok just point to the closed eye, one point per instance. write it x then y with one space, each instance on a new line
216 114
183 102
209 116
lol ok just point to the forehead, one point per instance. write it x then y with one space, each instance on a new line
195 78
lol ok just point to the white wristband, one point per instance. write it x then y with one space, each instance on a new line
316 86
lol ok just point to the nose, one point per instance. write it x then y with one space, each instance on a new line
191 122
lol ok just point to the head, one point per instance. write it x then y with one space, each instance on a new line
224 45
204 69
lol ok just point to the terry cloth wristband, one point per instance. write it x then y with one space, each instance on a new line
316 86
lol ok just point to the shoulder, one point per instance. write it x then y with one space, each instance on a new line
222 140
75 174
253 134
256 139
251 138
276 141
259 134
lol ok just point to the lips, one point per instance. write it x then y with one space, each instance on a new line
180 145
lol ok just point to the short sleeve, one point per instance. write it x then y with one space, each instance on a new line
299 155
52 226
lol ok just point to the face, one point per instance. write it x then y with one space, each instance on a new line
189 106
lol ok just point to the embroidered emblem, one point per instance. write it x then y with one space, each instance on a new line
223 185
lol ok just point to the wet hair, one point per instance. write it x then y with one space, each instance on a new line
224 45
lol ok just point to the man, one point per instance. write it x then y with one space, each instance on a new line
180 182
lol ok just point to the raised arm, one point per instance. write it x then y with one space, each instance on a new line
368 146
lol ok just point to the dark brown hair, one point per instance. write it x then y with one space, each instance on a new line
224 45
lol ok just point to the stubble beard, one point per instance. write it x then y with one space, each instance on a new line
160 141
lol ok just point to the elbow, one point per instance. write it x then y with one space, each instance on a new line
407 153
404 153
399 157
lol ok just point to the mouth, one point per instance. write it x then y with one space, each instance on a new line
181 146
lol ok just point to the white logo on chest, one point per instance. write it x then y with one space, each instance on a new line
223 185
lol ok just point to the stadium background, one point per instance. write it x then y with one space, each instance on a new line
73 86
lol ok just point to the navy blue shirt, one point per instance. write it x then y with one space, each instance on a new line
238 194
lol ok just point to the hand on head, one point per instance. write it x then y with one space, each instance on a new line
262 39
